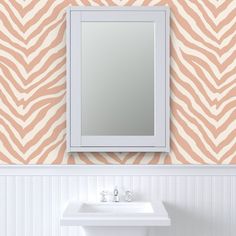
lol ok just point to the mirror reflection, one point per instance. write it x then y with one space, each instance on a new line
117 78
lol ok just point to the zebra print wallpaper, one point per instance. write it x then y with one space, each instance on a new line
33 83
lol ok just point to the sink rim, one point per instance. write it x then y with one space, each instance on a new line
71 215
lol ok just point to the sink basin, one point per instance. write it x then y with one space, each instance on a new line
115 214
116 208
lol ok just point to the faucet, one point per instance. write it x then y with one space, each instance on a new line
115 195
106 196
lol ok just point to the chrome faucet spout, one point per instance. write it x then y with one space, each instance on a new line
116 195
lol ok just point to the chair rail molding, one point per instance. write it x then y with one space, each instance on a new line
128 170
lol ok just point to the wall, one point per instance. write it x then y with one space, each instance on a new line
32 85
200 200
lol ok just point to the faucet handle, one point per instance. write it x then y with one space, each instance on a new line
103 196
128 196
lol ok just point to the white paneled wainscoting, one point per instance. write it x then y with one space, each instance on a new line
200 200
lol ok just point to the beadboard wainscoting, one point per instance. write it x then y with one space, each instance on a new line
201 200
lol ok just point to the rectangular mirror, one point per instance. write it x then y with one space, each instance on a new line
118 79
117 83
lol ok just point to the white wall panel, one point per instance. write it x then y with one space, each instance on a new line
198 204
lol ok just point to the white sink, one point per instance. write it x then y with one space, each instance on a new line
122 218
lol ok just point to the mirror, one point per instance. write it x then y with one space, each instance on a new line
118 79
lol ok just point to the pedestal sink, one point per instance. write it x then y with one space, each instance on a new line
115 219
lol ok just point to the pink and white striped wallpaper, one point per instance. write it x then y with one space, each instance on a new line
32 83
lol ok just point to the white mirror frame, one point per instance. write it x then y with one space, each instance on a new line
159 142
